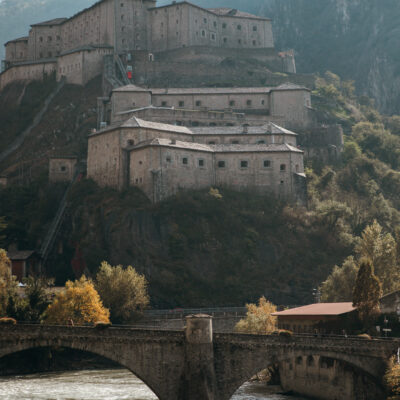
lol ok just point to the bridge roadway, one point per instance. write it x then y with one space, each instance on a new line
195 364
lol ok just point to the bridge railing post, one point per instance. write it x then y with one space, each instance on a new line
198 380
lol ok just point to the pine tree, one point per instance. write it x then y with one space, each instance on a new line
367 292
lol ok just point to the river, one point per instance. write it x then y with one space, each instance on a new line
117 384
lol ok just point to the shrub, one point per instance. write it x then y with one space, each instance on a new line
285 333
7 321
100 325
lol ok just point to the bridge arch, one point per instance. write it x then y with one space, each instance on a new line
98 353
247 359
142 355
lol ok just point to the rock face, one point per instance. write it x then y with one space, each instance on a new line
356 39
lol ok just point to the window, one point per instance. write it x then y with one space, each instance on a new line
248 103
163 104
244 164
140 162
40 39
177 21
205 20
213 36
261 142
184 161
297 168
58 37
267 163
262 102
122 4
211 142
215 24
203 33
310 361
131 142
201 162
63 168
181 103
168 159
122 17
198 103
235 142
49 54
254 28
254 43
299 360
225 40
221 164
239 27
240 41
224 25
232 103
283 167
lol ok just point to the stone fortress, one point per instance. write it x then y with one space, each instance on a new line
164 139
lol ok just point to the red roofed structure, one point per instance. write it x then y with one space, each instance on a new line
319 317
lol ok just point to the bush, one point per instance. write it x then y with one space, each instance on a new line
7 321
364 336
100 325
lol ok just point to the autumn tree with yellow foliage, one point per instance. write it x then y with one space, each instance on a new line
258 318
8 283
79 303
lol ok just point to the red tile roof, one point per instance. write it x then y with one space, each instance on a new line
318 309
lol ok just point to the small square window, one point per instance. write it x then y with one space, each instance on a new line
224 25
198 103
244 164
63 168
267 163
248 102
232 103
201 163
221 164
239 27
205 20
163 104
168 159
185 161
235 142
181 103
211 142
122 4
283 167
254 28
261 142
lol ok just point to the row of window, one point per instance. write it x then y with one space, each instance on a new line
50 38
198 103
223 164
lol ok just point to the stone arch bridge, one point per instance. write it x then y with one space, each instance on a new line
196 364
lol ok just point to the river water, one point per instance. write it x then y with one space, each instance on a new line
117 384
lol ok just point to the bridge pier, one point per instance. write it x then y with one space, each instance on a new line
198 380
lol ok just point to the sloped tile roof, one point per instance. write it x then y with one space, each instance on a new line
321 309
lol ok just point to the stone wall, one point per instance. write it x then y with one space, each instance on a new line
27 72
62 169
327 379
82 65
188 117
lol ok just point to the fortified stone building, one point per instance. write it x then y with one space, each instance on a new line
75 47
